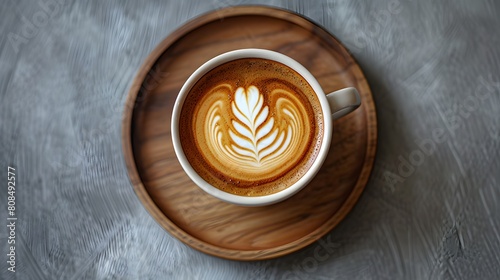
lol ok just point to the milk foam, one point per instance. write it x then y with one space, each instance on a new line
251 127
257 139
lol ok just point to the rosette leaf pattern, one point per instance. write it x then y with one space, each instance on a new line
254 135
246 134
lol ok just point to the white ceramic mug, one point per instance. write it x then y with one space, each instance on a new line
334 105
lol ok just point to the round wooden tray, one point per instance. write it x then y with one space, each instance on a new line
216 227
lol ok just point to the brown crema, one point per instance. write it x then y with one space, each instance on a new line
251 127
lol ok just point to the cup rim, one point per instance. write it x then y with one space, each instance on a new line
252 200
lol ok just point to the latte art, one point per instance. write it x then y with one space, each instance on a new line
251 127
257 140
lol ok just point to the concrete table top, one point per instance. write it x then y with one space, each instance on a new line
431 209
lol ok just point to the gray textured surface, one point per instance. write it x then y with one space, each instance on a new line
433 68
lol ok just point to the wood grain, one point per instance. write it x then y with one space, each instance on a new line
203 222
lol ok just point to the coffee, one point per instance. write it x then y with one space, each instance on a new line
251 127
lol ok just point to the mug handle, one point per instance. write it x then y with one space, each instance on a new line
343 101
